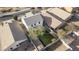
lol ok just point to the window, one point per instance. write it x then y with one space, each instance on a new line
17 45
32 25
39 22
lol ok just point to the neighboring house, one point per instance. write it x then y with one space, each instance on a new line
32 21
11 35
59 13
52 21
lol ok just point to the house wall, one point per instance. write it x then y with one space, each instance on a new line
14 45
38 23
22 19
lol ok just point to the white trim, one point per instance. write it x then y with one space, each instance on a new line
22 19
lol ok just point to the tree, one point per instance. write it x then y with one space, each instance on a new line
35 32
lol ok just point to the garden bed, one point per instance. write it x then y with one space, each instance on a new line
46 38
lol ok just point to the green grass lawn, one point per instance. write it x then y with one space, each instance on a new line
46 38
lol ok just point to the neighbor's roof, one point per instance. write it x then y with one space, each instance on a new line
6 38
33 19
9 33
59 12
51 21
17 31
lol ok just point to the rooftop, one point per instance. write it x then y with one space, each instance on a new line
9 33
6 38
33 19
17 32
51 21
60 13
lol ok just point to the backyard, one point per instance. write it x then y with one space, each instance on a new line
41 33
46 38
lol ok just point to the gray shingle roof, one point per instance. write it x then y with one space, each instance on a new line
17 31
33 20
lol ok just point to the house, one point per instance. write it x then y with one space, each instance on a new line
32 21
52 21
11 35
59 13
